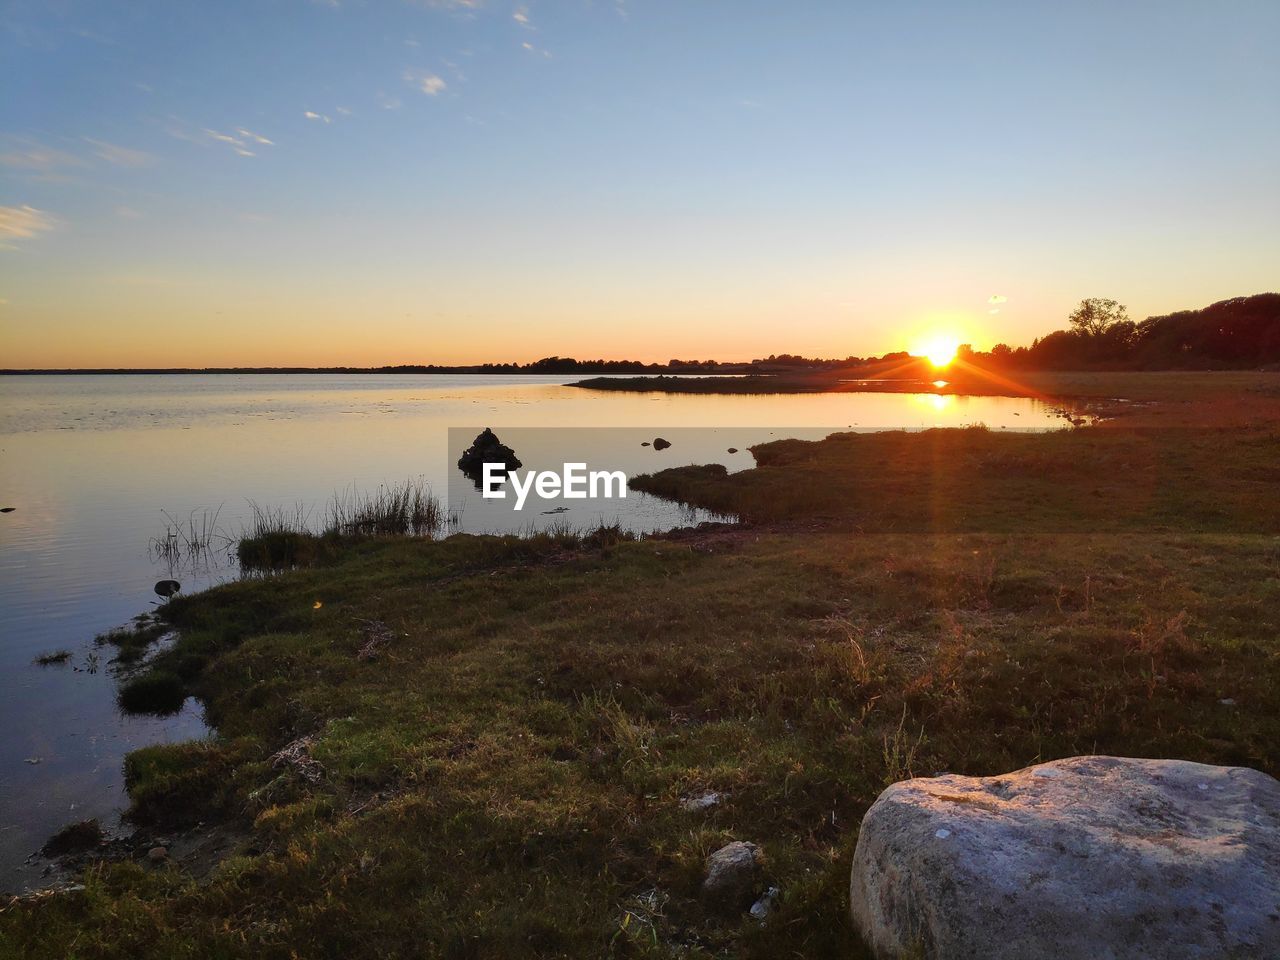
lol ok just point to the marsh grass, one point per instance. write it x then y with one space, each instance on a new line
193 540
278 538
397 509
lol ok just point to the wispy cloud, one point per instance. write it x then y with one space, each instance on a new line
521 16
997 298
128 213
388 102
255 137
324 117
457 6
22 223
428 83
241 142
41 163
118 155
238 144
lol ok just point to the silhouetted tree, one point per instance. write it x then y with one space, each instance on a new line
1096 315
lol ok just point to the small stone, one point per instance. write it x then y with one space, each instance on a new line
733 874
702 801
157 854
1227 702
764 906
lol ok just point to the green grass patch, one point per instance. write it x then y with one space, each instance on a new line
156 692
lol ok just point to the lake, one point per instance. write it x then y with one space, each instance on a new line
93 466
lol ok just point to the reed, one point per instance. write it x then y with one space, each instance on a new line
395 509
277 537
190 540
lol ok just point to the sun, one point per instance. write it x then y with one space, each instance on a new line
940 348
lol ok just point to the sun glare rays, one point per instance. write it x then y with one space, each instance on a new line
939 348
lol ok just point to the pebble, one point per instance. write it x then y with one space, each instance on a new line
764 906
157 854
702 801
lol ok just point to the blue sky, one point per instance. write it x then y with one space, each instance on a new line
290 181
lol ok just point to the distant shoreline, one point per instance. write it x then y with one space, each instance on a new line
731 369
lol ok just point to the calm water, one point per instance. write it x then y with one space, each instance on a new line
92 465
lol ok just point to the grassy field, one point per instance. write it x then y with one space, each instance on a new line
478 747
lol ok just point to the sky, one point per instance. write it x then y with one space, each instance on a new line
258 182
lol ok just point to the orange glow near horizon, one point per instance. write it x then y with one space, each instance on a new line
940 349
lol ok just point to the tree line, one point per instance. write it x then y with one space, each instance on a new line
1236 333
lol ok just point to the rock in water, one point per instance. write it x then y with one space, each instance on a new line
167 588
661 444
1076 859
487 448
733 874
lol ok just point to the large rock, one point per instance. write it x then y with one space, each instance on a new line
1096 858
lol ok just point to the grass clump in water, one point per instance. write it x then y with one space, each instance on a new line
157 692
277 539
397 509
73 838
281 539
133 641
